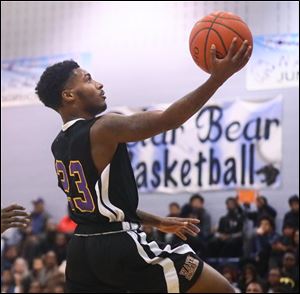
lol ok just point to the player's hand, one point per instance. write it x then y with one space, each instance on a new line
222 69
181 227
14 216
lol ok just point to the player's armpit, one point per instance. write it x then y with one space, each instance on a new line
129 128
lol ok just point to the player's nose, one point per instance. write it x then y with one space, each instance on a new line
99 86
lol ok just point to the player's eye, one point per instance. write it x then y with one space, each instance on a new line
88 78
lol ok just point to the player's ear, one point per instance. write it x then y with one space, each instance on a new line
67 95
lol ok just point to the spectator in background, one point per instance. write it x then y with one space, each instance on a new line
66 225
255 287
36 272
59 288
263 209
21 275
274 276
230 274
195 208
56 283
292 217
227 241
249 275
7 282
10 255
60 247
296 243
31 245
290 269
35 287
282 244
50 269
39 216
263 240
174 211
48 238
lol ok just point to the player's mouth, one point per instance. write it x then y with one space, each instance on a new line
102 94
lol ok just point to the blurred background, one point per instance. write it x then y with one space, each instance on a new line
139 50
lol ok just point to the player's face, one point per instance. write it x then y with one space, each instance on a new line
89 94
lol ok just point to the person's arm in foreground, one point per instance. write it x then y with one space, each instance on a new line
13 216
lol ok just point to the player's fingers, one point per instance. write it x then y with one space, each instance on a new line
14 213
240 53
189 232
232 48
181 236
179 221
12 207
16 219
194 228
16 225
247 56
213 53
192 220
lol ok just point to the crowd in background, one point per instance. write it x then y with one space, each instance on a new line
245 246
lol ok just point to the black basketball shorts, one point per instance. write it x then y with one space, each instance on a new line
126 262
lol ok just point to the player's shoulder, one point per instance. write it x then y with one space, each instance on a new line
56 141
104 122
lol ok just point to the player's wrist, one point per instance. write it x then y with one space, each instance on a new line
217 80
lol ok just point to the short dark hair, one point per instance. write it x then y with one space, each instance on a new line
174 204
196 196
294 198
289 224
230 199
269 219
265 200
52 82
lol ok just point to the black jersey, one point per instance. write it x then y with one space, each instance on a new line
110 197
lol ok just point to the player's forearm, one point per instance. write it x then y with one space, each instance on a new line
148 219
180 111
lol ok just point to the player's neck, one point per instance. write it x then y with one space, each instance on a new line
66 117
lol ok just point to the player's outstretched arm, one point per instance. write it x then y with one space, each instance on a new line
117 128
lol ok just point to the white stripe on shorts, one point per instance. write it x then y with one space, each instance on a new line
182 249
166 263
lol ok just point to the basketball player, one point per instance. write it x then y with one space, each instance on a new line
13 216
108 253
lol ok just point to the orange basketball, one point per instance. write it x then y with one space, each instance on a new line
217 28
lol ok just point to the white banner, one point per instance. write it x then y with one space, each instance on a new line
19 77
230 145
274 63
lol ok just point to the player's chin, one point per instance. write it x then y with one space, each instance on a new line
100 107
97 108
